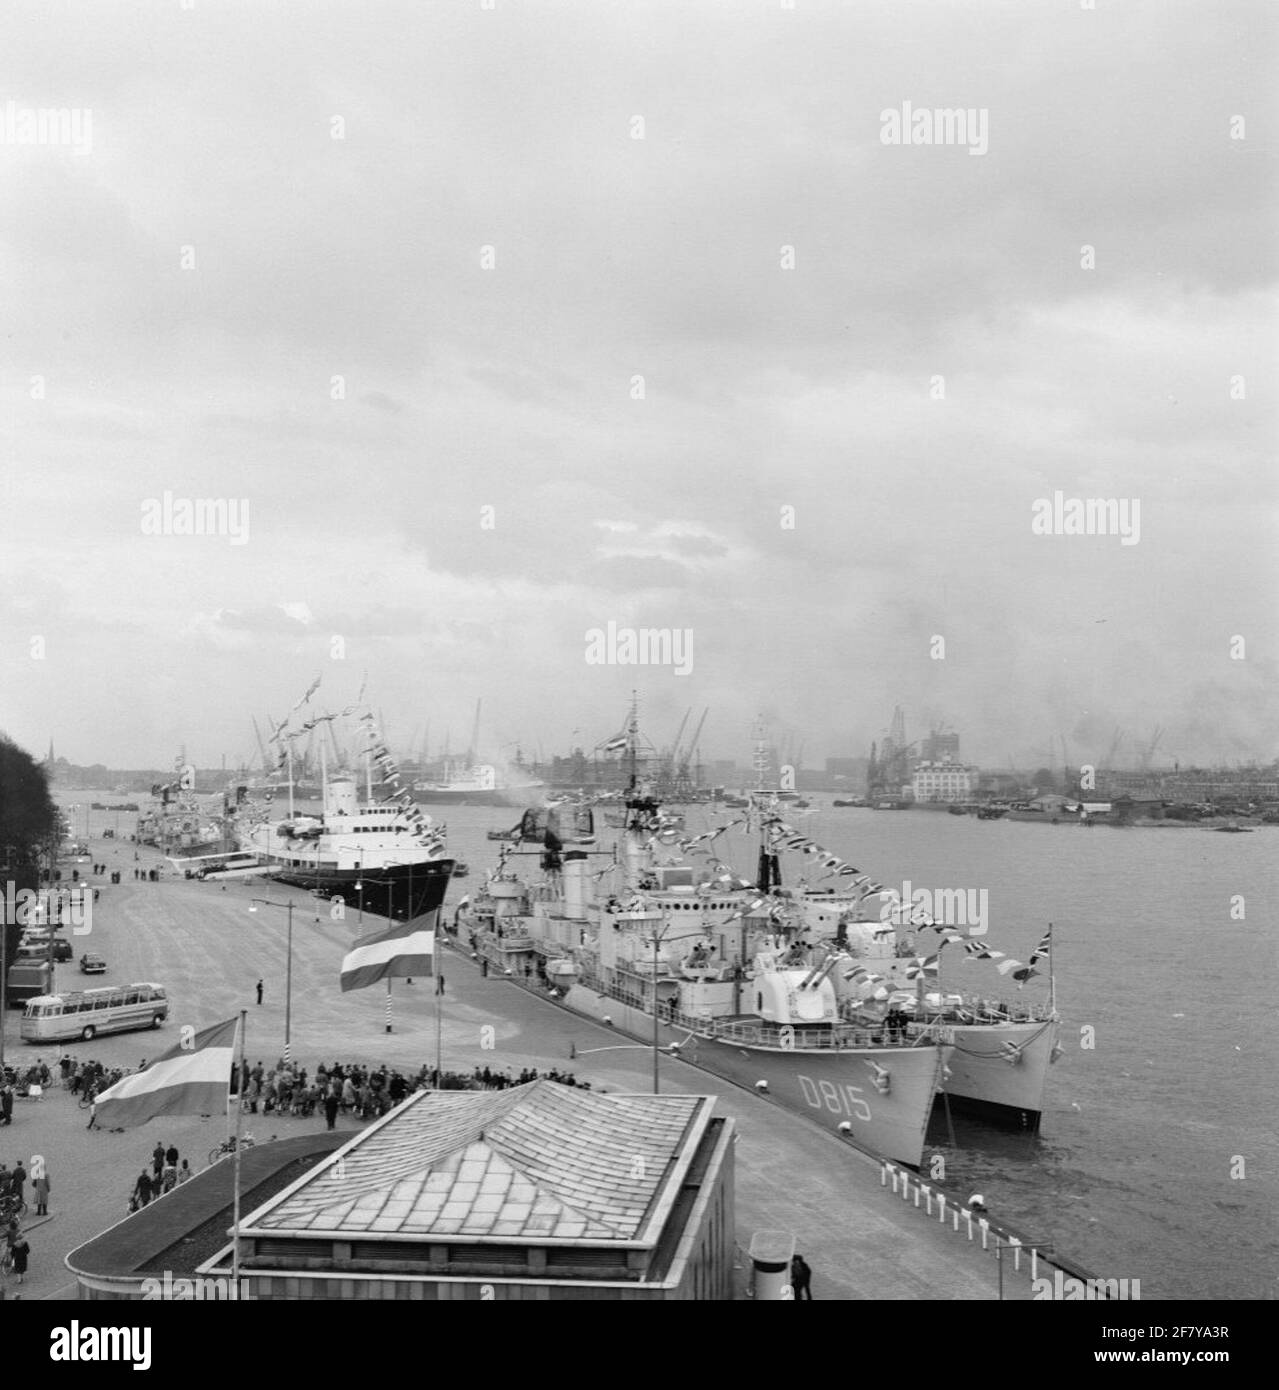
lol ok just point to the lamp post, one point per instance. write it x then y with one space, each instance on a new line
288 972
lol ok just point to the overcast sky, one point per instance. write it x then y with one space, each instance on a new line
126 371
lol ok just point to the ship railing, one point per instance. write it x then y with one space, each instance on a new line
986 1011
838 1039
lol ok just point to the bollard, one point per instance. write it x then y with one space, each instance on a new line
985 1231
941 1207
1016 1246
884 1170
919 1188
968 1216
1034 1263
928 1198
955 1214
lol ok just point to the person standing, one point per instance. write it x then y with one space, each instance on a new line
801 1277
171 1155
18 1181
20 1250
157 1158
144 1188
41 1186
331 1108
259 991
168 1178
184 1173
6 1104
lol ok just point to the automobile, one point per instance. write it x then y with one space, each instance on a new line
92 965
62 949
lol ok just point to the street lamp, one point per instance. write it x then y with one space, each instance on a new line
288 975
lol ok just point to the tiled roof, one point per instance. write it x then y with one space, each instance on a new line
540 1161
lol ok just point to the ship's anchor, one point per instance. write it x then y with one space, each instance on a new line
1011 1053
880 1078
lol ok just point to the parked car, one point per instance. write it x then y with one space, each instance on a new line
62 949
92 965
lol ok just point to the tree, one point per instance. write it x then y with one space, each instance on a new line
28 817
28 825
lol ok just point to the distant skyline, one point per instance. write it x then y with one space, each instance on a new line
427 341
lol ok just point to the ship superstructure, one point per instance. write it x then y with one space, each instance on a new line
704 964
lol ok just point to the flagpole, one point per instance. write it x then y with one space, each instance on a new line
388 1003
235 1201
1052 982
438 1032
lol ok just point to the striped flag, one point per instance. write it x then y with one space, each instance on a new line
614 744
190 1079
400 950
1041 951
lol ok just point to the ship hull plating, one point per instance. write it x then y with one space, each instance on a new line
403 891
998 1071
831 1087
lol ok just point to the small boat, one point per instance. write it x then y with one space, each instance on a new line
460 869
1233 829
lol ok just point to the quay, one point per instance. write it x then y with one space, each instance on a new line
864 1237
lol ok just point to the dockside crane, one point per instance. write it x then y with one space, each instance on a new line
697 736
267 767
1148 752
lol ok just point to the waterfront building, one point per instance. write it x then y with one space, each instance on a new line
943 781
540 1192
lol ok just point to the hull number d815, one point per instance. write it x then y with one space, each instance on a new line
839 1100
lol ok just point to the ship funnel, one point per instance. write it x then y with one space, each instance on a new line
339 796
577 885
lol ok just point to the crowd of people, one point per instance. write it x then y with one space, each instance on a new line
365 1092
168 1170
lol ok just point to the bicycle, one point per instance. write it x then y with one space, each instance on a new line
11 1208
227 1146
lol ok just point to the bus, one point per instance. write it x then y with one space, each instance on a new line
29 976
84 1013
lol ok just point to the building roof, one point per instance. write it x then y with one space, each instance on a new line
542 1162
189 1224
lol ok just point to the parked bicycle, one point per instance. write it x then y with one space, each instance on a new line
227 1146
11 1209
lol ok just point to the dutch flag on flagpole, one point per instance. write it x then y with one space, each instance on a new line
190 1079
400 950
